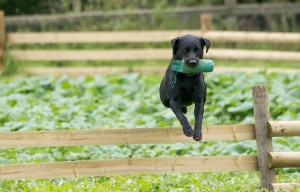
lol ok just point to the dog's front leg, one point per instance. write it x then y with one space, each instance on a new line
187 128
198 113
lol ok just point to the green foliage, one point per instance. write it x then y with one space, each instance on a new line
132 100
16 7
87 102
159 19
185 182
11 67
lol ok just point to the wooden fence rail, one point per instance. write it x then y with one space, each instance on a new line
264 162
129 166
149 36
284 186
77 71
284 159
121 136
147 54
283 128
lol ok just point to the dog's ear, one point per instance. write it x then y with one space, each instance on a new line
205 42
174 44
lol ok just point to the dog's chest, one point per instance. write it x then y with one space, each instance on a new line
187 91
189 85
185 96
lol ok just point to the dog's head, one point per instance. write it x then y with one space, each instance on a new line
189 48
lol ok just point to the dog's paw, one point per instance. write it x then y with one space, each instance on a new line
197 136
188 131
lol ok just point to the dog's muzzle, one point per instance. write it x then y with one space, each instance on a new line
192 62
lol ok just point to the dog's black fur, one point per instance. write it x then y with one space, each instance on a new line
189 88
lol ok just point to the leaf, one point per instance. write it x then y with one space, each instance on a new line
12 102
242 107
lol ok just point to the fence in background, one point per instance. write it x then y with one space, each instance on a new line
262 131
142 37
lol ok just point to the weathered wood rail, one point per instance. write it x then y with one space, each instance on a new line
121 136
147 54
148 36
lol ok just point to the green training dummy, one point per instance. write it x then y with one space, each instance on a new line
204 65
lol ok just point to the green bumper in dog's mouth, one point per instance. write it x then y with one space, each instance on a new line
204 65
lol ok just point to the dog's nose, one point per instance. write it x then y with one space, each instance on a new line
193 62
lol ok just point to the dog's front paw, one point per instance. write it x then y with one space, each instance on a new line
197 136
188 131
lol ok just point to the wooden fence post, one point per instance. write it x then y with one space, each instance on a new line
231 20
264 143
77 6
205 22
2 38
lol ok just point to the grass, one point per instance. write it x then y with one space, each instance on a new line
186 182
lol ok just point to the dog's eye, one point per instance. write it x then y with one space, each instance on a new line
196 51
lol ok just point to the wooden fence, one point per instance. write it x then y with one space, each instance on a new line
263 130
142 37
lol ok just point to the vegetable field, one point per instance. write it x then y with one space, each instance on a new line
132 101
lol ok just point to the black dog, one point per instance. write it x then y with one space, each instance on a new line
181 90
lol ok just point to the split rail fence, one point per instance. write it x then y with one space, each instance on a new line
140 37
262 131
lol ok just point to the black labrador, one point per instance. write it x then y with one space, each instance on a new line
177 91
